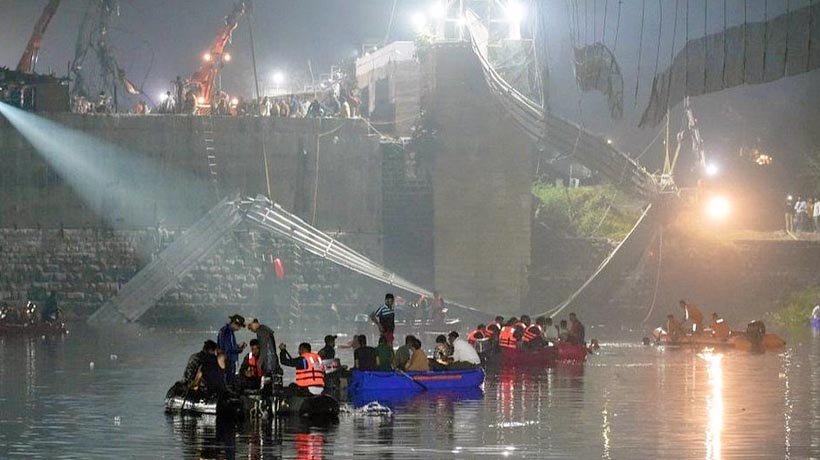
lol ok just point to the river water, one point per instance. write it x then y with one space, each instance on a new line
628 402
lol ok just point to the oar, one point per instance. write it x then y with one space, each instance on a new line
421 385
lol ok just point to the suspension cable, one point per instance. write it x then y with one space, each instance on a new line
640 53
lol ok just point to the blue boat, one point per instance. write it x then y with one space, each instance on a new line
415 381
396 399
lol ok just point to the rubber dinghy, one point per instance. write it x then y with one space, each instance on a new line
542 357
31 329
415 381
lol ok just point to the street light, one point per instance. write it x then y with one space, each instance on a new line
226 57
712 169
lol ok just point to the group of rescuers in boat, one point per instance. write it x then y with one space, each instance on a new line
211 373
693 324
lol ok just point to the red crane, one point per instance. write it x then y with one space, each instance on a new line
205 78
29 58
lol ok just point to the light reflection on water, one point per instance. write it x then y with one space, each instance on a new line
628 402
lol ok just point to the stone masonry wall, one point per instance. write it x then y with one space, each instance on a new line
87 267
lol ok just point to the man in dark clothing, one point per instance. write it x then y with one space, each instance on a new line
226 341
328 351
50 311
267 350
576 330
364 357
179 87
212 381
196 360
403 353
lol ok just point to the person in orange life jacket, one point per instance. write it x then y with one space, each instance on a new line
720 329
494 327
250 373
534 335
506 338
480 332
310 374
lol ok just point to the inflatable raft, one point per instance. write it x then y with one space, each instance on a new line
415 381
754 338
32 329
254 405
543 357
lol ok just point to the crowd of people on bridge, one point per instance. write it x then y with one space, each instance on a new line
802 214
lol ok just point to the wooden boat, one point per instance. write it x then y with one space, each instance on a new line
542 357
415 381
32 329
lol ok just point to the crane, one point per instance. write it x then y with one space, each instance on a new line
29 58
205 78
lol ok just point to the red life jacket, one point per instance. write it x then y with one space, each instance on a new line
506 338
313 375
491 332
532 332
520 325
253 365
471 337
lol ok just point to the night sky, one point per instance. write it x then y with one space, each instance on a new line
780 117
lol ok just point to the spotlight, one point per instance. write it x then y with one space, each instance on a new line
278 78
235 101
438 10
206 57
718 208
226 57
163 97
712 170
200 100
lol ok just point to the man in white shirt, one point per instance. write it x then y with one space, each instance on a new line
550 331
801 209
464 355
816 215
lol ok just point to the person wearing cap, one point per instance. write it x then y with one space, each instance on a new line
464 355
268 360
226 340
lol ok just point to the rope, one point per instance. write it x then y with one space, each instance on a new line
657 277
390 22
640 53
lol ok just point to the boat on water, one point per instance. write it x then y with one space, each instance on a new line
396 398
540 358
32 328
361 381
754 338
254 405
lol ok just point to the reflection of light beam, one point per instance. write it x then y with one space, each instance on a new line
714 406
114 182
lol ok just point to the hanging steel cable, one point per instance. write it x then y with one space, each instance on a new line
617 28
725 45
606 12
705 41
640 53
765 37
672 52
786 51
745 38
660 36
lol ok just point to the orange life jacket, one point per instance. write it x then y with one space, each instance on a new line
253 364
720 329
506 338
313 375
471 337
520 325
532 333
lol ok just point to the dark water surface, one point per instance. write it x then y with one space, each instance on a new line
630 402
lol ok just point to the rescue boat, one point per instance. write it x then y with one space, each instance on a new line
32 329
754 338
542 357
415 381
253 405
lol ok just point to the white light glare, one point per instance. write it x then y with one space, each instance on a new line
419 21
278 78
515 11
718 208
712 169
163 97
438 10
